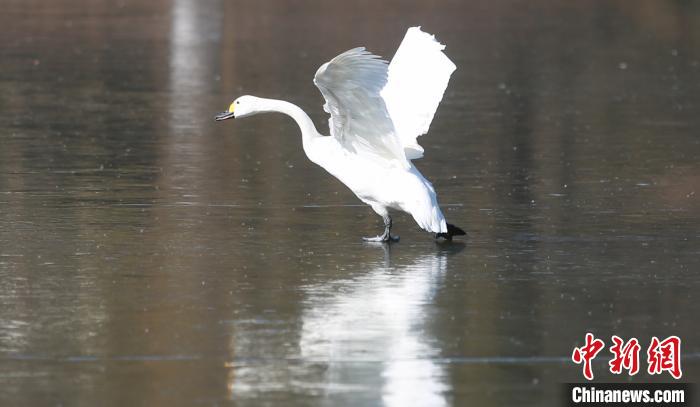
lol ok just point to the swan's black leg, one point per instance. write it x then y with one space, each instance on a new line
452 230
385 237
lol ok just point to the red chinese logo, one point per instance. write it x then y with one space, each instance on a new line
587 353
665 356
626 356
662 356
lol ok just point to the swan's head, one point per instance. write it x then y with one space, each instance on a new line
241 107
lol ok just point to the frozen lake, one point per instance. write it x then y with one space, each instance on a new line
150 256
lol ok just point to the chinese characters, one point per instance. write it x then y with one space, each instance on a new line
662 356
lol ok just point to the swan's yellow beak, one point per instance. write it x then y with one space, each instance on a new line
227 114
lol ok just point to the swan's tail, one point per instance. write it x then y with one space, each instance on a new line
452 230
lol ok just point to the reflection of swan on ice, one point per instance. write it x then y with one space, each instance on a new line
372 335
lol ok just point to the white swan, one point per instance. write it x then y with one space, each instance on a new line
377 112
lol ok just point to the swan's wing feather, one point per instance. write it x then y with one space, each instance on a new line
351 84
417 78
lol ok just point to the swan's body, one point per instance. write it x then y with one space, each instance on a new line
377 111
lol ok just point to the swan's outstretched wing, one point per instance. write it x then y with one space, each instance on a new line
351 84
418 76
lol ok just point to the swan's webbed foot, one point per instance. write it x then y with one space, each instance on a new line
385 237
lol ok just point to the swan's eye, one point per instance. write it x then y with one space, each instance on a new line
238 103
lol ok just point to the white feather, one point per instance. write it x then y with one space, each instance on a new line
418 77
351 83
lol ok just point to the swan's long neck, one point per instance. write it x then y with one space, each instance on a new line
306 125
